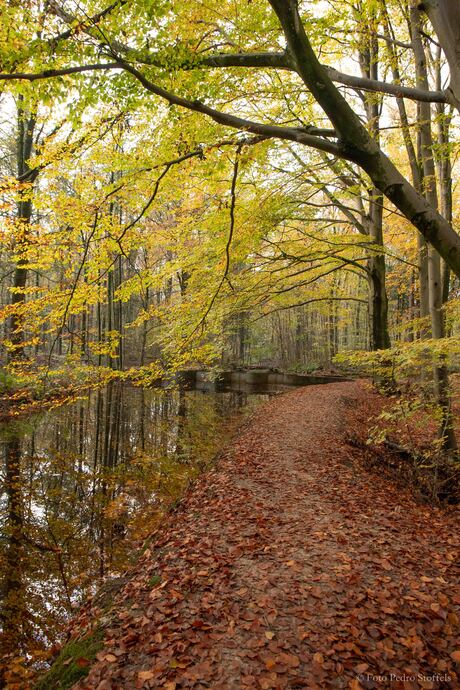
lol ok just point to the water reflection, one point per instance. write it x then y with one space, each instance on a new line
83 483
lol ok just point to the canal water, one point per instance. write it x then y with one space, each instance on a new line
82 486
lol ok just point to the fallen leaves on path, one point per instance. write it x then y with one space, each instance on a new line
290 565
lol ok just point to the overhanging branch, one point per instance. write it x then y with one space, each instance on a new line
301 135
266 59
59 72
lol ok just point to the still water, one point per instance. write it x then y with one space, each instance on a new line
84 484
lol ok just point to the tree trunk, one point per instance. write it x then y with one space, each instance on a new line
357 145
414 159
25 133
441 377
378 300
445 18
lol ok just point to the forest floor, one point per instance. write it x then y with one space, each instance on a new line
291 564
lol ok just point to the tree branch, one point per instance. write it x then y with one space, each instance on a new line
376 86
224 278
356 144
267 59
311 301
81 26
49 73
301 135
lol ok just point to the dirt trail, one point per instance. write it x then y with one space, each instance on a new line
291 566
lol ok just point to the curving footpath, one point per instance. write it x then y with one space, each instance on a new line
290 565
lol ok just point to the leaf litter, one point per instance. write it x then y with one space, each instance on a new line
290 564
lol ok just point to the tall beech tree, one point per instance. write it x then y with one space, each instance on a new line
445 17
26 176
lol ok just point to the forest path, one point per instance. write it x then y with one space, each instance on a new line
289 565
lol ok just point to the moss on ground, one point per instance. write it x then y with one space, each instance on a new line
72 662
154 581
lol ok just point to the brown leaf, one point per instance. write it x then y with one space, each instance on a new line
201 624
145 675
443 600
82 662
266 683
361 668
355 684
104 685
289 659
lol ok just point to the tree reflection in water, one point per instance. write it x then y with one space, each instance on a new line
83 485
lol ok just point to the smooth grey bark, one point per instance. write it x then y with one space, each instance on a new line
445 18
414 158
440 371
444 171
357 145
422 244
378 299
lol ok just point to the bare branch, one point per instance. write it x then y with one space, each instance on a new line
377 86
228 243
311 301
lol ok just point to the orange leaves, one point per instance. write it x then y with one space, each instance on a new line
270 664
443 600
201 625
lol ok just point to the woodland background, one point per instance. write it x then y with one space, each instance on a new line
223 185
